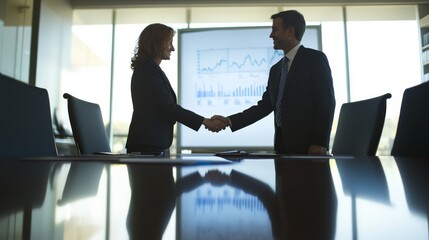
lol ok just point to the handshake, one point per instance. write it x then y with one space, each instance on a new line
216 123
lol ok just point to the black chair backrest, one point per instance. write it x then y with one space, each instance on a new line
87 125
360 126
25 121
412 134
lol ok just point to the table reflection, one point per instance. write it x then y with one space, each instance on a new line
230 205
307 199
363 177
252 186
153 198
415 177
377 197
23 187
243 201
272 198
82 181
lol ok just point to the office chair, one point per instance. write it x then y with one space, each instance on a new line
87 126
25 122
412 133
359 127
25 131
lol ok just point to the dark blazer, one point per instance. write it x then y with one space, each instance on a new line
309 103
155 108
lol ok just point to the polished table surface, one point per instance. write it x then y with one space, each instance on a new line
200 196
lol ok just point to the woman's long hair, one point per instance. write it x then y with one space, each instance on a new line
151 42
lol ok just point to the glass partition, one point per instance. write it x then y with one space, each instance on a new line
15 38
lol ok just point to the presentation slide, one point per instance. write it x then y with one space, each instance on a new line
224 71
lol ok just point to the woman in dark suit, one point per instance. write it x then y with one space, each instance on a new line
154 100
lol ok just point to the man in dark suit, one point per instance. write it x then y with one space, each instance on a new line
304 103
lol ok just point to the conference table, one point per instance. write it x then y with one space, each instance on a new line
209 196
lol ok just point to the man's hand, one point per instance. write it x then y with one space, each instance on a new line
214 125
225 120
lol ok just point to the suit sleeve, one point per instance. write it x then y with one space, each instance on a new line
323 100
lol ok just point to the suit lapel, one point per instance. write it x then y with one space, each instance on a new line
166 82
168 86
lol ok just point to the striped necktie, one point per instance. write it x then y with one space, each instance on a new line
280 95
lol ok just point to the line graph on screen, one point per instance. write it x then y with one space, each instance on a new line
229 60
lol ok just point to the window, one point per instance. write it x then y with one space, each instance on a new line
383 57
382 53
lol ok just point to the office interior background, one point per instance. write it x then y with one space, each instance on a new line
84 48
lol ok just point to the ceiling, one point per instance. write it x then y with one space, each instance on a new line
195 3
